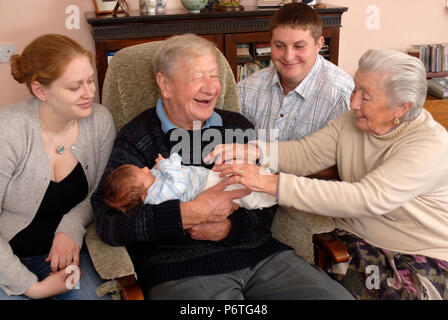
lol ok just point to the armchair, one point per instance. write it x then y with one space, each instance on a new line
129 88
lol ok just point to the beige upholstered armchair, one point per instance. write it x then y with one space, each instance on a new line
129 88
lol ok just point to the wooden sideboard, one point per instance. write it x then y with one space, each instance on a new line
439 110
225 29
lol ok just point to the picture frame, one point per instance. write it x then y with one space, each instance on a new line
121 6
104 6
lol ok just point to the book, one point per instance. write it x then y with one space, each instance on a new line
110 54
242 49
434 56
245 70
263 50
438 87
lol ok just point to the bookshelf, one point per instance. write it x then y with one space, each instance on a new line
226 29
434 57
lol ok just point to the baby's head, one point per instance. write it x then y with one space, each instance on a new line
126 186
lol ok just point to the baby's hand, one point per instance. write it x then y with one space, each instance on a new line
159 158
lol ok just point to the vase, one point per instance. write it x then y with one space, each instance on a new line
143 6
152 5
194 6
148 6
161 4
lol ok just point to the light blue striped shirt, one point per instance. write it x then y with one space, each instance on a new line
173 181
322 95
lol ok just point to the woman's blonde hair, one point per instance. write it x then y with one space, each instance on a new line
45 59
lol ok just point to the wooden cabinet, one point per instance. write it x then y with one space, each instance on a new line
439 110
226 29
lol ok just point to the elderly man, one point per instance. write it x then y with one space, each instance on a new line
207 248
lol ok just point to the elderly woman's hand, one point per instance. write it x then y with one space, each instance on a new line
233 152
251 176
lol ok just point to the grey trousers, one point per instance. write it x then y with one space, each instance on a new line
283 276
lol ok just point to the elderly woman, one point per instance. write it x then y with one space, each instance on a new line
391 207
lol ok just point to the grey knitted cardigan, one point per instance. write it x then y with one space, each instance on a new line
25 175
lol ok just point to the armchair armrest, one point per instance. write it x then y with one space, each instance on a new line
330 173
328 249
113 263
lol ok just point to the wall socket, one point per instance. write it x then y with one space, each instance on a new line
6 51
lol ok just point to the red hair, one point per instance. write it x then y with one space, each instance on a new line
45 59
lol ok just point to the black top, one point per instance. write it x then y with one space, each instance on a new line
60 198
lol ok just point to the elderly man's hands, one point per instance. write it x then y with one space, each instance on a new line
210 231
213 205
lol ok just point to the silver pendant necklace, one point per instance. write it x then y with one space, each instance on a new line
60 149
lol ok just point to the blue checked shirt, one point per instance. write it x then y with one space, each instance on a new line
323 95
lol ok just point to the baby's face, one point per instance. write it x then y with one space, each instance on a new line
143 176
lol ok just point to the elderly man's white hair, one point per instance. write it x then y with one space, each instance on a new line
404 78
180 48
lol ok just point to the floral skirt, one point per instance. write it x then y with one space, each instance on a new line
379 274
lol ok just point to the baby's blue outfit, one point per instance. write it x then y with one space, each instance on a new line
172 181
175 181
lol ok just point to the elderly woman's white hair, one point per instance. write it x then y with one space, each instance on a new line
176 48
404 78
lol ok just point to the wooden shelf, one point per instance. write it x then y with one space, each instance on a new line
436 74
244 59
439 110
263 57
225 29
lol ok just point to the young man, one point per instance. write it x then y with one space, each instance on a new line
301 91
